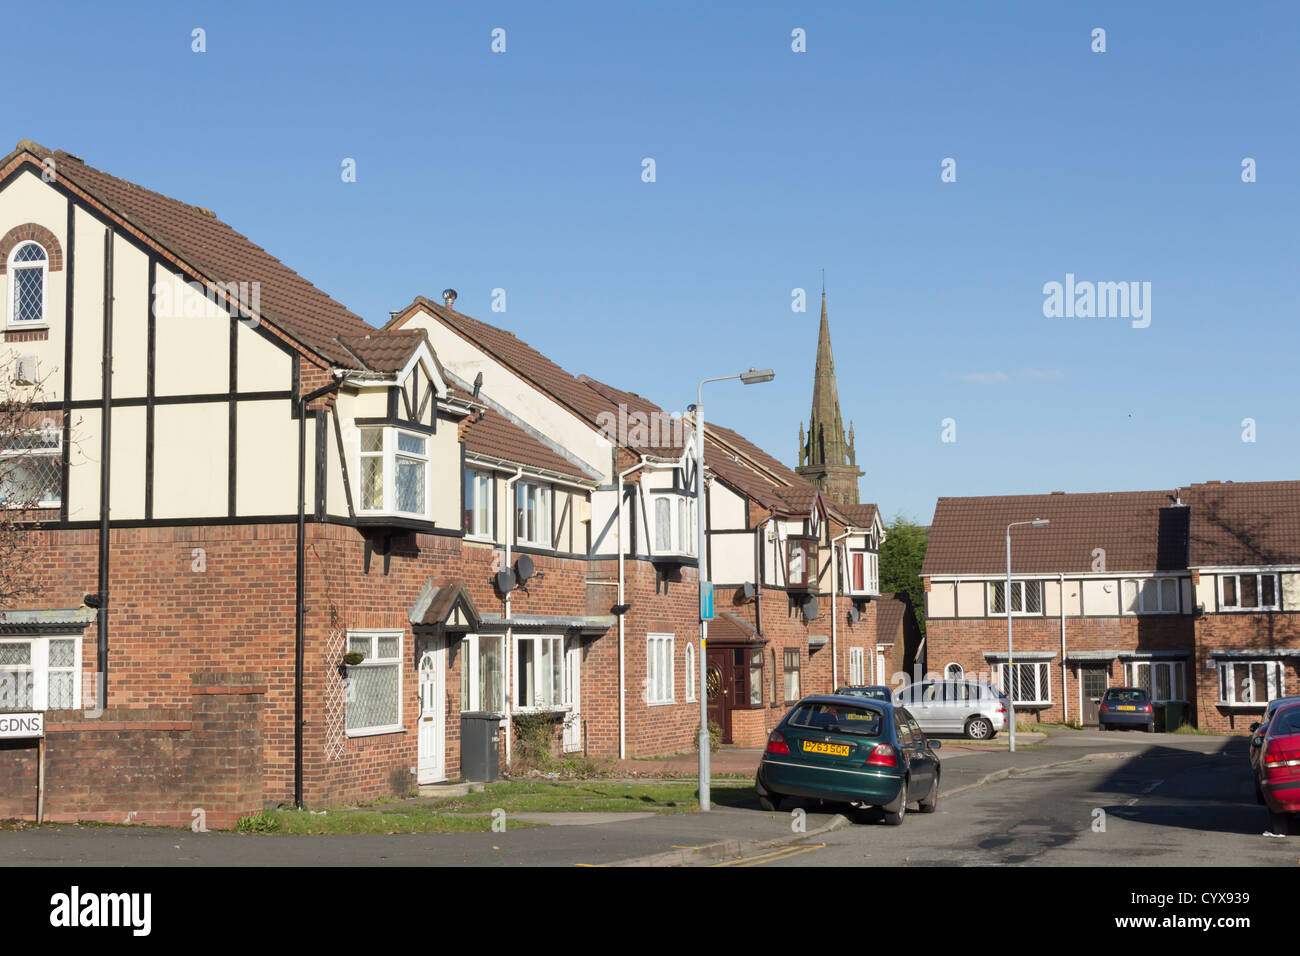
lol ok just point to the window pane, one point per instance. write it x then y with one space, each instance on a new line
1150 596
372 483
1230 591
1268 590
1034 597
62 653
466 689
1169 596
374 702
469 525
859 574
663 525
1130 597
1248 596
526 650
30 253
489 674
359 644
60 691
997 603
411 444
16 653
550 682
17 689
1017 596
28 288
372 440
1163 691
388 647
410 485
1143 672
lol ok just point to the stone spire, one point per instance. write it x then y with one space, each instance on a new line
830 458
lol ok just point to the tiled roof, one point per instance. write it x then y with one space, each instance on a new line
859 516
662 442
890 609
731 626
220 254
1137 530
495 436
384 351
1253 523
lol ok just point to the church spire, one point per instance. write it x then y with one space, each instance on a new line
830 458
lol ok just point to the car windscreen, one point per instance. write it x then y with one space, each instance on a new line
837 718
873 693
1285 723
1126 694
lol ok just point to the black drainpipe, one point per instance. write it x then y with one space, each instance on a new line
298 652
105 450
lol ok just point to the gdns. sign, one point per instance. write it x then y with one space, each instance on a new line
16 726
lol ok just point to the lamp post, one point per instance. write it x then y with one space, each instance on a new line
752 377
1011 668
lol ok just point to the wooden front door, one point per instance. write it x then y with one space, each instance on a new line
1093 680
720 681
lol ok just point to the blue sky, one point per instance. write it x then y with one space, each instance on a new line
522 170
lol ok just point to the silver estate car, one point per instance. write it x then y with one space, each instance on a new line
973 708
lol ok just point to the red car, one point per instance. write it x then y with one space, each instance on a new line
1277 771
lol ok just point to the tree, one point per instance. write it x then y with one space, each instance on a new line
901 557
31 474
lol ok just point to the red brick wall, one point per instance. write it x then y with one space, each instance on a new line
1216 632
151 765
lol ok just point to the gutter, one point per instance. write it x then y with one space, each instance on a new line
300 582
105 470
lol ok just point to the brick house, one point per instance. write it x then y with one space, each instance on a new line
1191 593
247 482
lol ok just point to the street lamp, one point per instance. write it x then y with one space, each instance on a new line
1006 600
752 377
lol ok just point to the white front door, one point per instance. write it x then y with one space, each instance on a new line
432 764
881 676
573 692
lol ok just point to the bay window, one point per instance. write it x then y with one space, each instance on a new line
1163 680
40 673
1249 682
1249 592
482 684
478 504
673 524
374 685
539 673
533 514
801 561
393 471
1028 683
863 572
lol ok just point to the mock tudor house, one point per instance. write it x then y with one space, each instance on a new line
284 551
1191 593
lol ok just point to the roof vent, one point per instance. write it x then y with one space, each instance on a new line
449 297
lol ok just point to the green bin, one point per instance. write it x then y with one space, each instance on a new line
1174 713
1159 714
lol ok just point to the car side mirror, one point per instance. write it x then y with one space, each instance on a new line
934 744
1254 726
1257 741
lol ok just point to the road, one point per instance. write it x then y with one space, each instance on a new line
1183 802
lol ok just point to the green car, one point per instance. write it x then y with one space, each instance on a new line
850 750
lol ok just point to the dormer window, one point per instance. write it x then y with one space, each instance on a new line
863 572
533 514
394 472
801 561
673 525
28 267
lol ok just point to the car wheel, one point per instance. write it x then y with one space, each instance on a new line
894 819
1279 823
978 728
931 803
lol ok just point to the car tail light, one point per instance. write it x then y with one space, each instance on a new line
882 756
776 744
1280 762
1002 708
1103 706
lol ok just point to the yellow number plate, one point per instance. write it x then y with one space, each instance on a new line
835 750
1126 707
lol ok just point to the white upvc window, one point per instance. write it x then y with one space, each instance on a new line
690 671
28 269
1249 682
1149 595
857 666
539 673
862 572
478 504
31 468
393 471
40 673
374 687
1163 680
659 669
1031 682
672 518
1249 592
482 673
1026 597
533 514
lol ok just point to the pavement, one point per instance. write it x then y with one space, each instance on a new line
602 839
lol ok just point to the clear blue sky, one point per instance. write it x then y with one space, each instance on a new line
522 171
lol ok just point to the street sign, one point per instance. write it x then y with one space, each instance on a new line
18 726
706 600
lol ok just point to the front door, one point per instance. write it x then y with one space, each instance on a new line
432 764
1093 681
573 699
720 681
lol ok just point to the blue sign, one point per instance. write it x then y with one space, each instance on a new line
706 600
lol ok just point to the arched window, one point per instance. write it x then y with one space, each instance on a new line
954 671
28 266
690 671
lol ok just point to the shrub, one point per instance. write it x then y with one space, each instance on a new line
715 738
259 822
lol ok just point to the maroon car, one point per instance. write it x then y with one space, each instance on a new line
1277 772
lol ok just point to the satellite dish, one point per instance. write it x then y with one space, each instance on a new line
749 591
505 581
810 609
524 568
854 616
